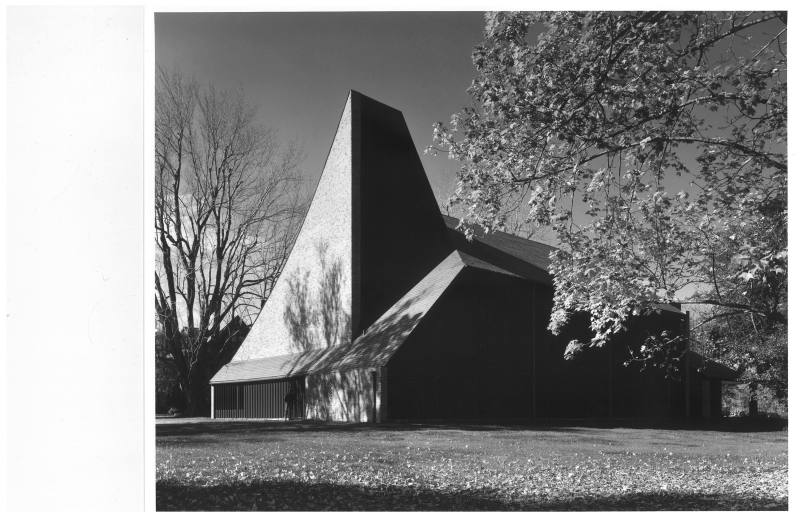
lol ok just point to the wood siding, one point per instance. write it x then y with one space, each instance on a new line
264 399
471 357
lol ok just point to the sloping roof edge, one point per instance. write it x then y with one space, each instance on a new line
267 368
474 262
373 348
522 257
380 341
711 369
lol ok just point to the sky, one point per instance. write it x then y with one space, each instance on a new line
298 68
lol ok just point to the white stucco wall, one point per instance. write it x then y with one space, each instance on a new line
317 316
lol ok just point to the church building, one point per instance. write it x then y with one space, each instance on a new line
384 311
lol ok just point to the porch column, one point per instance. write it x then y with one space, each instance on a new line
381 392
534 380
212 401
687 370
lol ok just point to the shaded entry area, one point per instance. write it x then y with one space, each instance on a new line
265 399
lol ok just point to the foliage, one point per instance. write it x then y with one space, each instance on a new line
653 146
737 402
760 355
270 466
168 393
226 213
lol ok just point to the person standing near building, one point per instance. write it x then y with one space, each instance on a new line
289 401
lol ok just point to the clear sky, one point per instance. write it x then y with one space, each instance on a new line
298 67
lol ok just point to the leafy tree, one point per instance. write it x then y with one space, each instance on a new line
759 355
226 212
653 147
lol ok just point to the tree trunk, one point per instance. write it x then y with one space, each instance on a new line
752 410
196 398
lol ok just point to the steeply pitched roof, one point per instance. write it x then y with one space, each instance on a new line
271 367
376 346
523 257
517 256
379 342
383 338
669 308
709 368
474 262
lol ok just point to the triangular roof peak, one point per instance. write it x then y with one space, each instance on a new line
372 231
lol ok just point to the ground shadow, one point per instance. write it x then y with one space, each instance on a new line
303 496
167 427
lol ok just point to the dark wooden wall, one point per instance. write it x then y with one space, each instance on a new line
596 383
484 352
471 357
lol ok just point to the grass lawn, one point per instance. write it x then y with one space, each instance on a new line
252 465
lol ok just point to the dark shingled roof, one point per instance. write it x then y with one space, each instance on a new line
383 338
379 342
533 252
709 368
474 262
521 256
271 367
669 308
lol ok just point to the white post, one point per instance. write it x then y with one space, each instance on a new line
687 371
376 398
383 390
212 401
534 379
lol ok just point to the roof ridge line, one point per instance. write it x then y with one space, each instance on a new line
503 232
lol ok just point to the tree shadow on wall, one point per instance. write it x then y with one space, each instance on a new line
315 313
340 396
341 386
343 378
378 342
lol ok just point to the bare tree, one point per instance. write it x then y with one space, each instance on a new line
227 207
